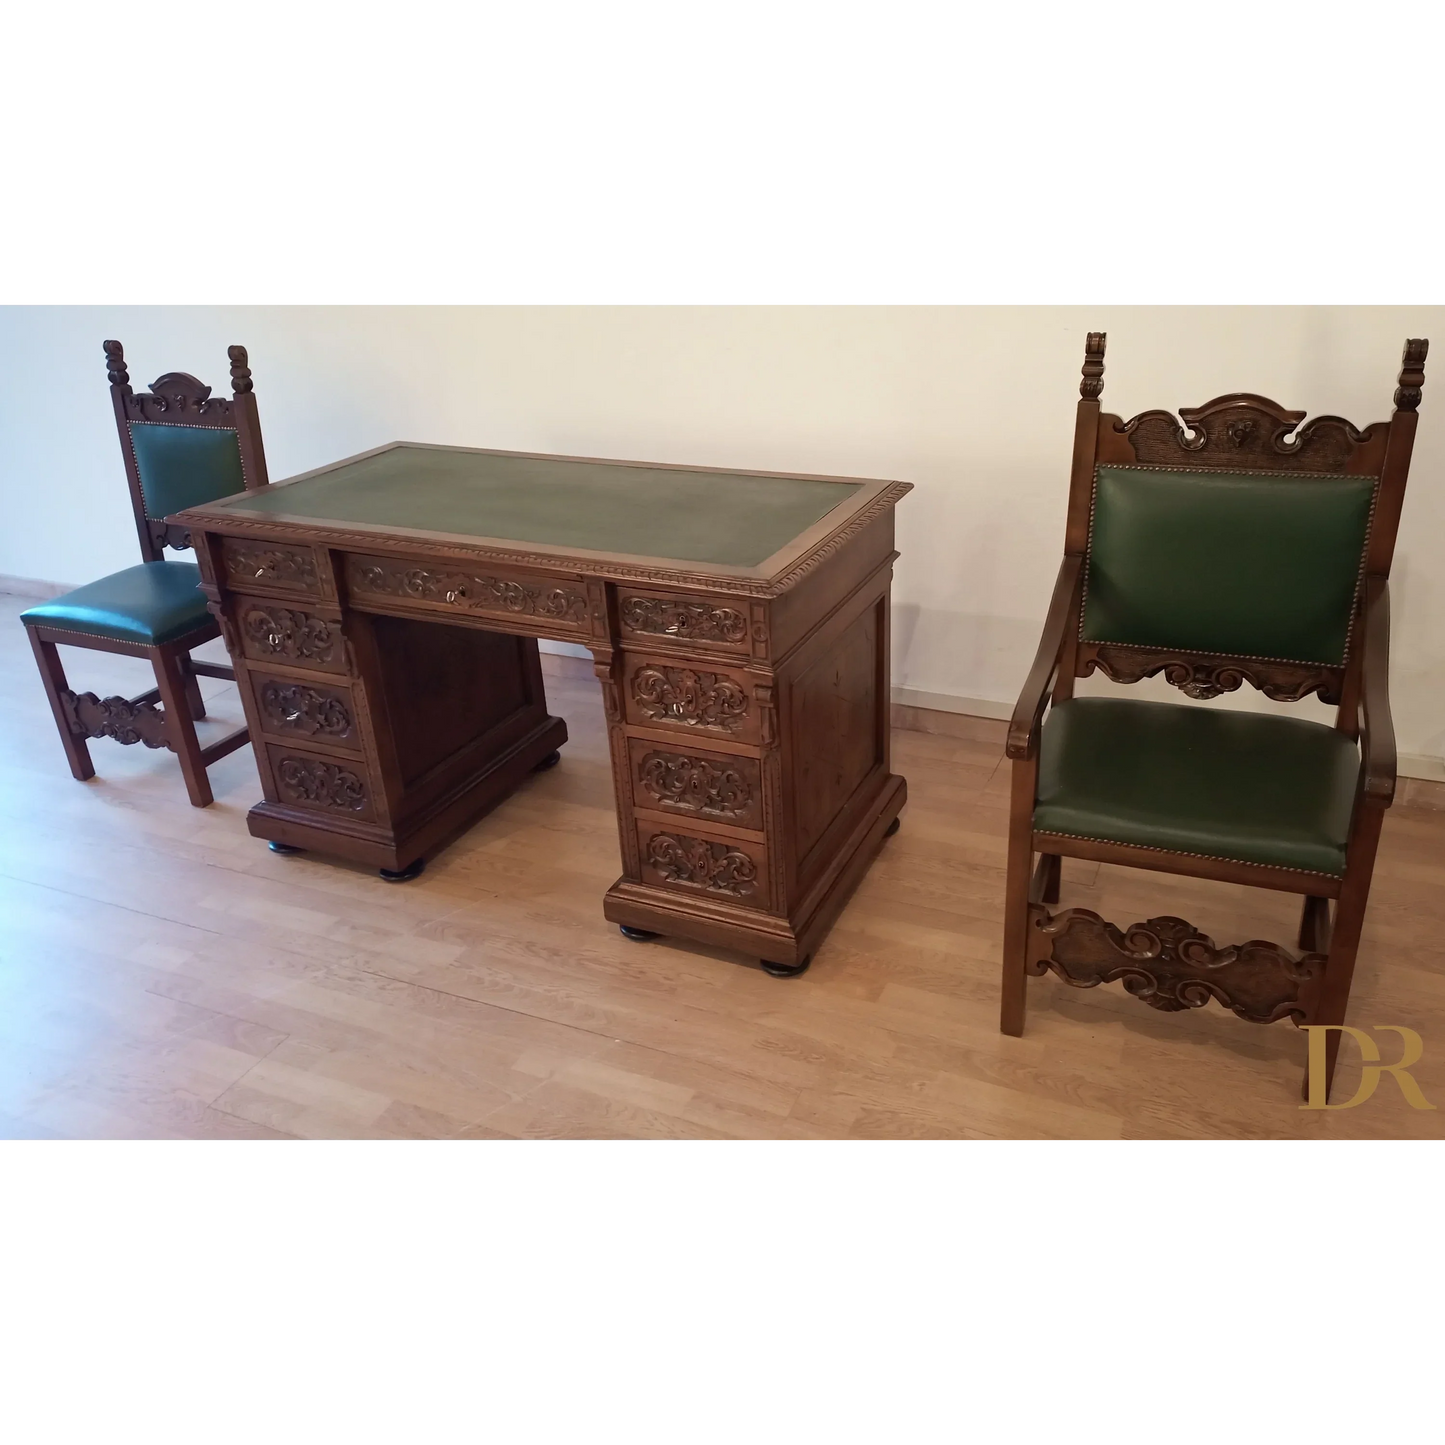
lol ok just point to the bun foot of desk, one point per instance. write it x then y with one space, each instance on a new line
784 945
786 970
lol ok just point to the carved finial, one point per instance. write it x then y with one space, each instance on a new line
1412 375
115 364
240 370
1093 382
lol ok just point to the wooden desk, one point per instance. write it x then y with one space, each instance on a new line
383 615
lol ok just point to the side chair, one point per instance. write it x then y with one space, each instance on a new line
181 447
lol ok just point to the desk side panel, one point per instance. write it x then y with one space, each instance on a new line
826 585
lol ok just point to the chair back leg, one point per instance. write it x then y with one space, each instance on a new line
194 700
180 725
1053 865
52 674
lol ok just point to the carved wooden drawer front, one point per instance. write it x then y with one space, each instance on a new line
313 711
730 870
271 565
292 636
337 787
716 787
560 603
702 700
694 622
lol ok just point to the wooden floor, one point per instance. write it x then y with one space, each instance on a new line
163 975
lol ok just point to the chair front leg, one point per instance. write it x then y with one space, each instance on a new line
1349 921
52 674
1016 896
180 726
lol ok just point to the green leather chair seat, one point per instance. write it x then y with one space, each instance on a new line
154 602
1246 786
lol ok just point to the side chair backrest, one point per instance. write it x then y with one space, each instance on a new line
1232 543
182 446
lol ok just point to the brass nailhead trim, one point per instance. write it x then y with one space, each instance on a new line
195 426
1179 853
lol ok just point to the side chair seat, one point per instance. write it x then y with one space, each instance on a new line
1250 787
152 603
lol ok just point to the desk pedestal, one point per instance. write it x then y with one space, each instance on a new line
434 726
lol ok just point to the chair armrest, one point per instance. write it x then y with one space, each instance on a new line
1023 728
1377 730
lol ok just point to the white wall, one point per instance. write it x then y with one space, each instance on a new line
975 405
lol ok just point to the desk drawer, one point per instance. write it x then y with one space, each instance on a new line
309 710
271 566
660 692
560 603
337 787
692 783
272 631
732 870
707 623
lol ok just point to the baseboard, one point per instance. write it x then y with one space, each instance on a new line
977 707
33 587
1419 792
993 731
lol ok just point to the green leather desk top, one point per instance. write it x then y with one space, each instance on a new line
729 519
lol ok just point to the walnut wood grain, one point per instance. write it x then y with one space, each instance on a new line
691 698
310 782
468 591
1169 965
683 619
1243 432
1206 676
272 632
306 709
125 720
1023 733
714 786
266 565
734 870
1377 728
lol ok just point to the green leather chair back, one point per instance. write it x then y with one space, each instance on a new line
1248 564
182 466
